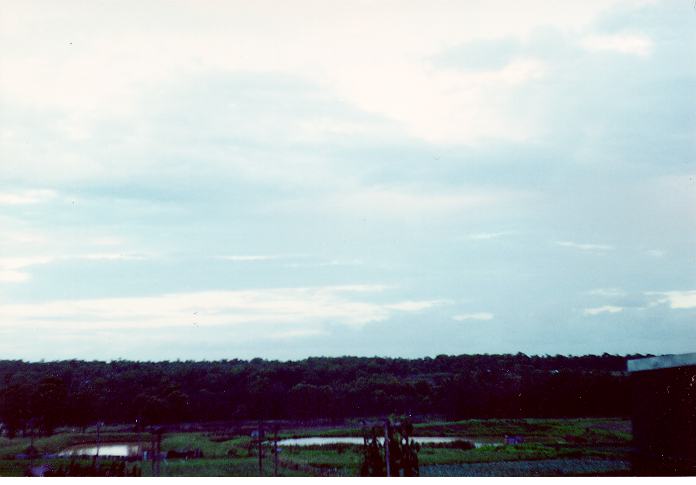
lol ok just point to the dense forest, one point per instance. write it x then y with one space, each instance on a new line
79 393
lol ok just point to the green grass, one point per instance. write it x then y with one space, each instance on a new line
322 432
205 467
16 468
12 468
539 430
216 467
210 449
486 454
344 460
521 452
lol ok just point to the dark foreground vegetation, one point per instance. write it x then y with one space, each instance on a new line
46 395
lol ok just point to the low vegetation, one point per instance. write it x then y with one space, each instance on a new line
586 444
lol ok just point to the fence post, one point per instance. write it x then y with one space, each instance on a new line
260 438
386 447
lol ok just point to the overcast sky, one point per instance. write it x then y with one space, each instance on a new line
283 179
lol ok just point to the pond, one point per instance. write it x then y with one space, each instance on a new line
106 449
354 440
134 449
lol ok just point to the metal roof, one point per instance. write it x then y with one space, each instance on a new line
661 362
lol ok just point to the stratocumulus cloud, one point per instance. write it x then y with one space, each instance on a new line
602 309
24 197
285 308
634 44
675 299
585 246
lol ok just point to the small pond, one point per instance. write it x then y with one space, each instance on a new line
134 449
106 449
354 440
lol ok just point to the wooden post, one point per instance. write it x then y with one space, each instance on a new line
275 453
96 459
141 450
155 447
158 450
152 452
386 447
31 446
260 438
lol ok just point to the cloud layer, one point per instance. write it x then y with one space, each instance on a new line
365 178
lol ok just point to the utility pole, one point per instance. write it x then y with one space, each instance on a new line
386 446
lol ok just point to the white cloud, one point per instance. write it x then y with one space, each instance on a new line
12 270
24 197
607 292
332 262
100 62
298 333
407 202
585 247
13 276
473 316
107 241
320 128
450 105
285 308
414 306
396 200
656 253
487 235
633 44
342 262
111 257
675 299
250 257
23 262
23 238
603 309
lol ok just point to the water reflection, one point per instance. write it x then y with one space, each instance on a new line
108 449
353 440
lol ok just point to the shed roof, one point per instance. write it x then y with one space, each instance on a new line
661 362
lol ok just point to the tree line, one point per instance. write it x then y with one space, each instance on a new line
78 393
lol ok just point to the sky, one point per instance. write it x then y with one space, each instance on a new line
238 179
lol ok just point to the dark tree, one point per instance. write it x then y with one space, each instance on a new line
466 386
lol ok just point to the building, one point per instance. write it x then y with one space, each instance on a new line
664 414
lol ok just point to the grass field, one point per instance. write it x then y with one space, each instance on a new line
549 446
535 468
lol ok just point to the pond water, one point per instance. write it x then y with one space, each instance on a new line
107 449
354 440
133 449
